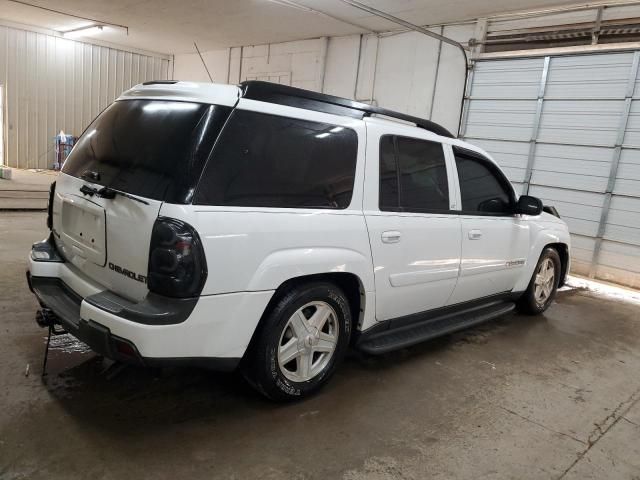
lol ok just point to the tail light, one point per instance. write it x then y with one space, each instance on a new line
52 191
177 265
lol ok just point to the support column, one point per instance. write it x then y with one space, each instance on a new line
536 125
477 47
615 161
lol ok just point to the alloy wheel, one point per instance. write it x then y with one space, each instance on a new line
544 282
308 341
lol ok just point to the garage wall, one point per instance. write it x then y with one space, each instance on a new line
190 66
567 129
407 72
54 84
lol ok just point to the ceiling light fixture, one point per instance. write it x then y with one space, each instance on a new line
59 12
87 31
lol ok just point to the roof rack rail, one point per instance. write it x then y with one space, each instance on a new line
297 97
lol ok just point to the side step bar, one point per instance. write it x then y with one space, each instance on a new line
396 337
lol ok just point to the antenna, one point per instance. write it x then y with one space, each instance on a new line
417 28
203 62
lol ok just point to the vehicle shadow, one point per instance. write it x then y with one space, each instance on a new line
121 398
98 391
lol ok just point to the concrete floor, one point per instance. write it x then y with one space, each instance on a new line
26 190
555 396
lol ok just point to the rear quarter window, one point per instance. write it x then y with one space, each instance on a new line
263 160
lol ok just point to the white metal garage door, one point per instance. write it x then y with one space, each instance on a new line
567 129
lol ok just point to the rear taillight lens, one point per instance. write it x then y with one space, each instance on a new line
177 265
52 191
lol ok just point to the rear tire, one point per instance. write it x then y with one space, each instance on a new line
301 341
543 285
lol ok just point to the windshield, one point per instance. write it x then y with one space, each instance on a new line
151 148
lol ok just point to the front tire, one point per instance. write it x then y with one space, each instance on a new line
301 341
543 285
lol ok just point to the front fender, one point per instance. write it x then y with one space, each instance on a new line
542 238
283 265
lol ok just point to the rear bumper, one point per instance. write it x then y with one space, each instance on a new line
214 333
54 294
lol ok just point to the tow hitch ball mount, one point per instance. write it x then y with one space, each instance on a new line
47 319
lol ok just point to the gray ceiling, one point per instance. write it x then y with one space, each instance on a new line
171 26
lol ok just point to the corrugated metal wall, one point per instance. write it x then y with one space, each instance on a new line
567 129
54 84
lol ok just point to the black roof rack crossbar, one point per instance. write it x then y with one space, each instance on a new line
297 97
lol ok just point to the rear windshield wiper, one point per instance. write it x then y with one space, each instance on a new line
109 193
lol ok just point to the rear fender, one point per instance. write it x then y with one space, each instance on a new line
284 265
288 264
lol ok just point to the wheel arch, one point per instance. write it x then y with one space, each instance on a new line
349 269
350 283
563 253
556 239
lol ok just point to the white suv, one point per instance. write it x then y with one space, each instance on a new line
270 228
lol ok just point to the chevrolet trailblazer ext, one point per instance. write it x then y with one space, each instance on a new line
270 228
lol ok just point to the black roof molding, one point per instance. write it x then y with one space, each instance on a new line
297 97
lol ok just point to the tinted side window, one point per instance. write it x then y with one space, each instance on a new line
264 160
413 175
389 180
482 189
423 175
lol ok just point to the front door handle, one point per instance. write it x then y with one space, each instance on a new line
391 236
475 234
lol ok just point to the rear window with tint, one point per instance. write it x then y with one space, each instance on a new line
265 160
151 148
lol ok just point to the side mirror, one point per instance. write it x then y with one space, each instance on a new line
529 205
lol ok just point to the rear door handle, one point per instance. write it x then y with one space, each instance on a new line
475 234
391 236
